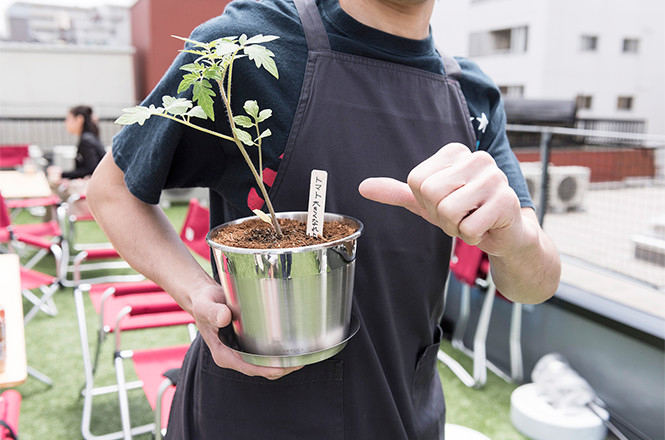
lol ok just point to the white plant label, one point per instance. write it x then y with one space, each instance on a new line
317 202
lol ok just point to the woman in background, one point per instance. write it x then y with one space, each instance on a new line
81 122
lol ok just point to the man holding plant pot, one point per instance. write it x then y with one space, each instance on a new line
362 93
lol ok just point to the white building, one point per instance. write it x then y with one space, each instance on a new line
609 55
105 25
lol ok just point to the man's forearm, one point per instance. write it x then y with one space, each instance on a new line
532 274
143 235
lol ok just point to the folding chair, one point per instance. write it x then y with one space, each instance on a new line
195 228
141 309
471 267
86 257
15 206
10 410
48 285
38 236
157 370
12 156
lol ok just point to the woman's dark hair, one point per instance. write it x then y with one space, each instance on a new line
89 123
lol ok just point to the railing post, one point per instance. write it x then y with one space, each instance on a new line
545 146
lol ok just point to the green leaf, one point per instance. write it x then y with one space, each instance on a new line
226 47
251 108
265 134
243 121
197 112
203 94
262 57
214 73
258 39
195 52
192 67
243 137
262 215
176 106
187 81
263 115
242 39
133 115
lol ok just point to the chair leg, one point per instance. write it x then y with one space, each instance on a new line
89 390
123 399
480 338
45 303
460 326
166 384
516 362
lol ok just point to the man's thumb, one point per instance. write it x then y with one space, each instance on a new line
390 192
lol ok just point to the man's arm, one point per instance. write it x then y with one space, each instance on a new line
144 237
468 196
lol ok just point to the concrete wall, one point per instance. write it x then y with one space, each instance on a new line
45 81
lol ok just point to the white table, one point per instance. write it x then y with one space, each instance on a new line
16 369
19 185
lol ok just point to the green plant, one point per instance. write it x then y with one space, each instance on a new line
214 65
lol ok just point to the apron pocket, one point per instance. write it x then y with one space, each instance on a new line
306 404
428 403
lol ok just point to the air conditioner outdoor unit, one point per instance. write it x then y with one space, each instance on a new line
532 172
567 187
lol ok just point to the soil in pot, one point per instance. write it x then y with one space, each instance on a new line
257 234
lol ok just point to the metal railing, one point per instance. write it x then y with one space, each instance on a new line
615 224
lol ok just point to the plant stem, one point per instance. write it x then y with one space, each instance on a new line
243 151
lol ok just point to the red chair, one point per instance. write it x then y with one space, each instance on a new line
195 228
10 409
471 266
120 310
12 156
158 369
45 238
39 236
142 305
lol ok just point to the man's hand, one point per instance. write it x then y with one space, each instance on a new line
468 196
463 193
210 314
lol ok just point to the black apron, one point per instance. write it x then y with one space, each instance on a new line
356 118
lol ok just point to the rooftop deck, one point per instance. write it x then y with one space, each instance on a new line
597 247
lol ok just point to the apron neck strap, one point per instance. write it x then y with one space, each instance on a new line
317 38
451 67
315 33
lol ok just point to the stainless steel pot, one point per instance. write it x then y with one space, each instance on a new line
290 306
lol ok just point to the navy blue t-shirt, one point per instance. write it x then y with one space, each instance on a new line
165 154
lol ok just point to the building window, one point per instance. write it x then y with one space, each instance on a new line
513 91
501 41
589 43
625 103
631 45
584 102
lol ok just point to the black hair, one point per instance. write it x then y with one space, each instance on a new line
89 123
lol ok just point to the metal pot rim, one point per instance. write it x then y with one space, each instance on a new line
299 215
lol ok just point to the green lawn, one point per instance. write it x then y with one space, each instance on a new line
53 348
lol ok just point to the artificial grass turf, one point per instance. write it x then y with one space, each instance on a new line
53 348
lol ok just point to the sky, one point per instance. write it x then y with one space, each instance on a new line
4 4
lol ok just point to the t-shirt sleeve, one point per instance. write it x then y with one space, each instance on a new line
488 118
166 154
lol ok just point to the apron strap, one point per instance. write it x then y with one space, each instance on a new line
315 33
451 67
